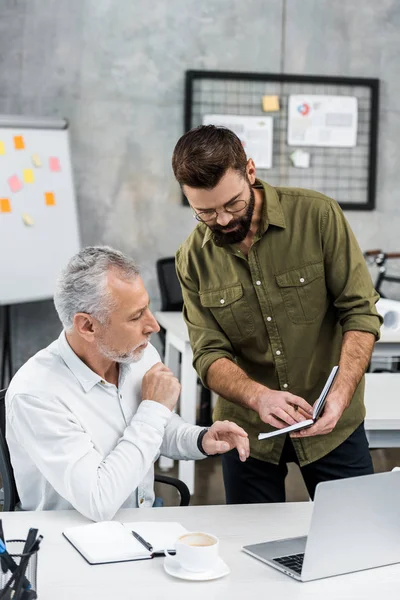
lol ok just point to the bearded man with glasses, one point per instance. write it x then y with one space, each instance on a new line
276 292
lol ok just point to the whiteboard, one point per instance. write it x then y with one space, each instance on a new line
39 229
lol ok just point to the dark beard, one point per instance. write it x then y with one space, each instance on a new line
242 226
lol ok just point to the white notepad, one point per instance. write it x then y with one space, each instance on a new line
112 541
317 411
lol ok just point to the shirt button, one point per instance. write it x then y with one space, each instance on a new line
278 352
141 500
102 382
301 279
269 318
222 301
285 385
258 282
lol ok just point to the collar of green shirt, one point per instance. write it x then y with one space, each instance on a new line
272 211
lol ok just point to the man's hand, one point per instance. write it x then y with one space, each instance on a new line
160 385
224 436
281 409
334 407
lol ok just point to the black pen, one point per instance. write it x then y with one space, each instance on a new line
139 538
2 538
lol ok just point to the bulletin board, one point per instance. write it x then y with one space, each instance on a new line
39 229
347 174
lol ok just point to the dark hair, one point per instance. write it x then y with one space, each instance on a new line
203 155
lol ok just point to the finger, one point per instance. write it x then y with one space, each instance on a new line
242 447
301 403
284 416
228 427
321 427
297 415
218 447
275 422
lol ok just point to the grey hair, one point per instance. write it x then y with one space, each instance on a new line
82 285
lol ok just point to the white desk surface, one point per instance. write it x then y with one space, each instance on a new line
382 401
174 322
64 575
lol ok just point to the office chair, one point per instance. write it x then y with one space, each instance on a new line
172 300
10 492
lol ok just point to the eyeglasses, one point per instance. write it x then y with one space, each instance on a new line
231 208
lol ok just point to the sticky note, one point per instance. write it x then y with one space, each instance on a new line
15 183
300 159
19 142
27 219
29 176
50 199
54 164
2 148
36 160
270 103
5 205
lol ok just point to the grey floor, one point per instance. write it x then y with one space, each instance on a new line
210 488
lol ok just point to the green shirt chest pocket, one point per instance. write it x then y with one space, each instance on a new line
304 293
231 310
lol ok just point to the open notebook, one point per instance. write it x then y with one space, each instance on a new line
317 411
112 541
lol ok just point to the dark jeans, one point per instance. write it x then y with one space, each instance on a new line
259 481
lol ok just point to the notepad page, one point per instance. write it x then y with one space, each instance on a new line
104 542
161 535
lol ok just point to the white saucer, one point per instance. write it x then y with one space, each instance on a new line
220 570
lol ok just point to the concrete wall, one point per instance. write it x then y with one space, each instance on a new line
116 70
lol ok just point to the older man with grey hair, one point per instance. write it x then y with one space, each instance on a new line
89 415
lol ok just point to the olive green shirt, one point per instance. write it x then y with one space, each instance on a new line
280 313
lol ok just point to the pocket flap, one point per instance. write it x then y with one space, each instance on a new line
300 276
223 297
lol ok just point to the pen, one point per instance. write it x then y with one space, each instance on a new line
11 564
139 538
2 538
30 543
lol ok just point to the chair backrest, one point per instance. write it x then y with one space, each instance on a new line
170 289
6 471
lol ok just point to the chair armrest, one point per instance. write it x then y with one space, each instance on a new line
178 484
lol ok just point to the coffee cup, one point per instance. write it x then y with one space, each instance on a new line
195 551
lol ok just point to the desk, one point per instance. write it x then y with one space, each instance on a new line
177 342
64 575
382 401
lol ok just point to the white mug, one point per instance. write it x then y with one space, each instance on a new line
195 551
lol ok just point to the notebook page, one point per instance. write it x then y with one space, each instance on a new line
104 542
161 535
319 403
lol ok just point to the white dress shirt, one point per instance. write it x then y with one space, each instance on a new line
79 442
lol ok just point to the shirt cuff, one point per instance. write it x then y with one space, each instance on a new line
200 442
367 323
153 413
204 363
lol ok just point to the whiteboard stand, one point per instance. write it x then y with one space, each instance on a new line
6 357
39 229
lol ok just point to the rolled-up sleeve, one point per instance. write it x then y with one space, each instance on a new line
347 275
209 343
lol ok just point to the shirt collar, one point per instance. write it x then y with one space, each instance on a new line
272 213
86 377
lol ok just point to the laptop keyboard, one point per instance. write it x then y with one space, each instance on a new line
293 562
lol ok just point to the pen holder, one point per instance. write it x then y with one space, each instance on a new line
15 549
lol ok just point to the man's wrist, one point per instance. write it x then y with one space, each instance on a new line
200 441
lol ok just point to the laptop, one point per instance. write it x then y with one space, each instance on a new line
355 525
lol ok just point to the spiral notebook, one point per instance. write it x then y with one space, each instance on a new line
113 541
